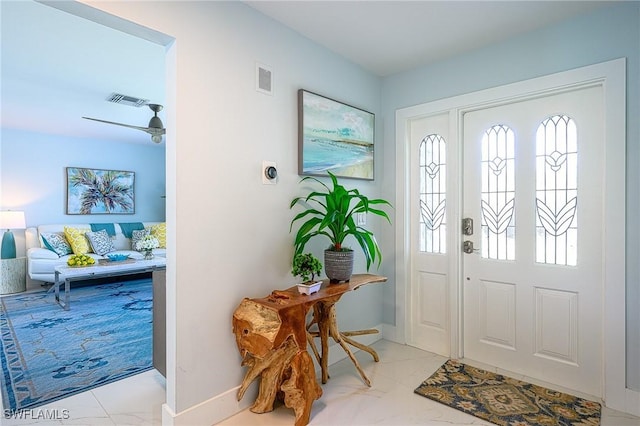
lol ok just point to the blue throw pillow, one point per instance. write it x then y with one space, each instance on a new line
128 228
57 243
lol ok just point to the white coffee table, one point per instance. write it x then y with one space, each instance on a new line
67 274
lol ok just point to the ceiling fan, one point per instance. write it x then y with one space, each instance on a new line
155 129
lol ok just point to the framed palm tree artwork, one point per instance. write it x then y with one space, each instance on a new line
95 191
334 137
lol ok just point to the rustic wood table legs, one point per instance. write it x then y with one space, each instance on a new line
272 337
324 316
274 348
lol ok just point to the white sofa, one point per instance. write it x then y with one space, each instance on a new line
41 261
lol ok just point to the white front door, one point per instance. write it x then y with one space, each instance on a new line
545 293
429 140
533 285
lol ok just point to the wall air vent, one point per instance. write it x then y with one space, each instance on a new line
118 98
264 79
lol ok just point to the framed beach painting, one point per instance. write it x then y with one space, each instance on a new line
335 137
95 191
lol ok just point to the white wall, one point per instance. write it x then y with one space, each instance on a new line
231 232
607 34
33 176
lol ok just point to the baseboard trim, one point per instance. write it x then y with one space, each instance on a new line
212 411
633 402
390 333
225 405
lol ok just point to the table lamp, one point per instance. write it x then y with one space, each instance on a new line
10 220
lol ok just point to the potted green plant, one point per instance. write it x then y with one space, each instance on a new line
331 212
307 266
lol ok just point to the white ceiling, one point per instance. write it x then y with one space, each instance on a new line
57 67
387 37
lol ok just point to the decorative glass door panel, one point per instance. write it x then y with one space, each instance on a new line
498 193
433 194
557 191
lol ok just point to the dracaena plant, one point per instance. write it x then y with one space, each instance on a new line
330 212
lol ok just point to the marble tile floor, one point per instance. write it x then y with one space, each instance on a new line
136 400
346 399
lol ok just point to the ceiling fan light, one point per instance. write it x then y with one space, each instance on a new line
156 138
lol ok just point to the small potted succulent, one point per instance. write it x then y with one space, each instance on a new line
307 266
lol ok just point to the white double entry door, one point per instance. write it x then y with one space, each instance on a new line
527 177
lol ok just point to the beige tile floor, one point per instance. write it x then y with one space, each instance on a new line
346 400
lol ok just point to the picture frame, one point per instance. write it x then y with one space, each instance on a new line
334 137
86 194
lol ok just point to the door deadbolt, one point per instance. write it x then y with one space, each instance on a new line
467 226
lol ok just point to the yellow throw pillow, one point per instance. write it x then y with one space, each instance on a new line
160 232
77 240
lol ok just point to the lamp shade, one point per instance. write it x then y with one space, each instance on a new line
12 220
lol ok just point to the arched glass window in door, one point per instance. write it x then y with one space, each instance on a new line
433 187
557 191
498 193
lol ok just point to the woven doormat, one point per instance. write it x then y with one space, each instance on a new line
505 401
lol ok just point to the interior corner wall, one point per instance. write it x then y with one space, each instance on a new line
608 33
232 236
33 176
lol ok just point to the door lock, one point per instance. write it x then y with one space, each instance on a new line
467 226
467 247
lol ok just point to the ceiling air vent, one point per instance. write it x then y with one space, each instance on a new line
118 98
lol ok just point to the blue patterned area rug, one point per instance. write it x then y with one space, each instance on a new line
48 353
505 401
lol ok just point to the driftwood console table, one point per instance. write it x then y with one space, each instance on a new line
272 336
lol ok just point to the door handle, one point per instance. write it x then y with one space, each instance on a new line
467 247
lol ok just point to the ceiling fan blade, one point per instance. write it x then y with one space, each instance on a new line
156 128
153 130
144 129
